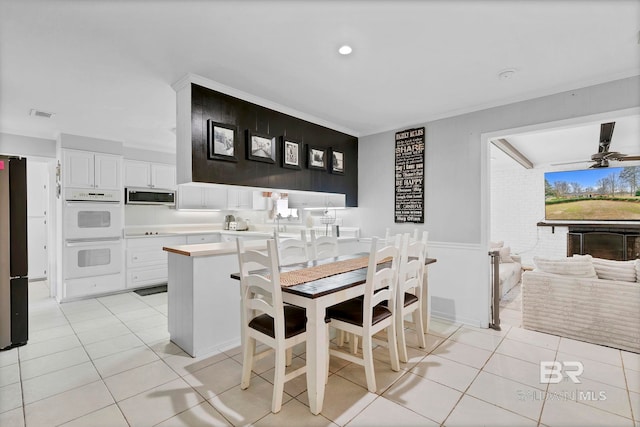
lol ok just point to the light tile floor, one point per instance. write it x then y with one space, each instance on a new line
108 362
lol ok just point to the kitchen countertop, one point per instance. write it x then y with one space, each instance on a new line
225 248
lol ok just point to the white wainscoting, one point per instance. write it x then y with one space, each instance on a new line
459 283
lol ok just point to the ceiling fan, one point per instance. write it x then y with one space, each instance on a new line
603 156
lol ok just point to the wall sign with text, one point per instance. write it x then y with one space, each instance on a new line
410 176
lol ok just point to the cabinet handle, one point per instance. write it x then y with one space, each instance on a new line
135 257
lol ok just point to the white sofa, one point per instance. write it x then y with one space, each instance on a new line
510 274
510 267
597 310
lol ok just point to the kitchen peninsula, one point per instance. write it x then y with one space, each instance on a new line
203 300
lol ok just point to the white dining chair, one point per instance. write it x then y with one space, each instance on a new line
409 293
266 319
364 317
291 250
416 236
324 246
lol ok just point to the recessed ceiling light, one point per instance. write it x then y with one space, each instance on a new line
345 50
37 113
506 74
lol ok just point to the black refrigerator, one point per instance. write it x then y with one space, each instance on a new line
14 284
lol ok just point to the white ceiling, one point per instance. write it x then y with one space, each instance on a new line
106 67
571 147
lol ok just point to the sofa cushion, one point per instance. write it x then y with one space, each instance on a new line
638 270
615 270
505 254
576 267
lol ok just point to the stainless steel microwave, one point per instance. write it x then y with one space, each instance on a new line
146 196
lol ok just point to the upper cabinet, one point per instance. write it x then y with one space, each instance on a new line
240 198
201 197
84 169
304 199
149 175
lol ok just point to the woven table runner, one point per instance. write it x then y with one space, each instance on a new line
291 278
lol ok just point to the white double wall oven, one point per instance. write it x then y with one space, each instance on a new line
93 236
93 251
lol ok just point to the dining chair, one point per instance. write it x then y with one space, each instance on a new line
291 250
416 235
266 319
324 246
409 291
364 317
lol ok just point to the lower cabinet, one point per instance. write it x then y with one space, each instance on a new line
146 261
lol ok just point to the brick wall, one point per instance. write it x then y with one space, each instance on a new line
517 205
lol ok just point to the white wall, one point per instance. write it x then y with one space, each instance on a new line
457 187
18 145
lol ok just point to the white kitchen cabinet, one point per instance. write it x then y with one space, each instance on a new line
146 261
149 175
84 169
305 199
239 198
163 176
244 199
203 238
201 197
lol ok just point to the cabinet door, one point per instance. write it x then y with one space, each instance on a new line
239 199
190 197
137 174
107 172
78 169
214 197
163 176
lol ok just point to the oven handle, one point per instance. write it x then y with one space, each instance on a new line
92 242
75 203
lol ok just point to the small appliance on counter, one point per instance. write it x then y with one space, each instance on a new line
242 224
227 222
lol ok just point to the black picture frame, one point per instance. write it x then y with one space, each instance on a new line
291 150
337 162
222 141
261 147
316 158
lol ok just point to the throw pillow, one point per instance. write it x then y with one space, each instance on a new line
505 254
607 269
577 267
496 245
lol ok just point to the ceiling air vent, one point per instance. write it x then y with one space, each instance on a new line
38 113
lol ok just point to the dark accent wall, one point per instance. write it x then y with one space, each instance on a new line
207 104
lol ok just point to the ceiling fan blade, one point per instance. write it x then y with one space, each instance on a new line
628 158
606 133
570 163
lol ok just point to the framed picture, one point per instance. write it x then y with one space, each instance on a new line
221 141
316 158
261 147
337 162
291 153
